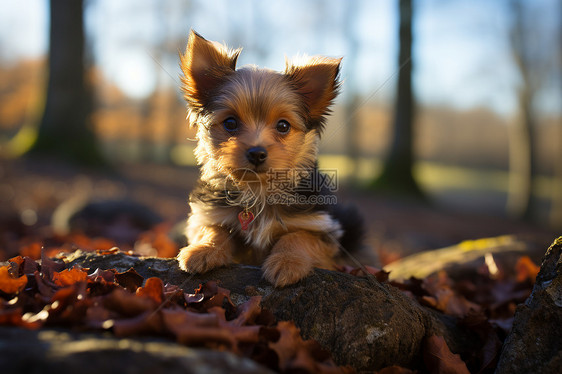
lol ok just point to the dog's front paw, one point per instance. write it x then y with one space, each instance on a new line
199 258
283 269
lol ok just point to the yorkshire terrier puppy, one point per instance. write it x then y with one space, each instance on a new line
260 191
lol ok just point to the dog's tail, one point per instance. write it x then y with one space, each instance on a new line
353 238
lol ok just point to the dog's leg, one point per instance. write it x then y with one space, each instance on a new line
208 249
295 254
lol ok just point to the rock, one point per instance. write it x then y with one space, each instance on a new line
534 344
52 351
119 220
364 323
458 259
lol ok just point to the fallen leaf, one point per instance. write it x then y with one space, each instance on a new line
130 280
366 270
526 269
18 260
10 285
485 358
174 295
49 267
69 305
286 346
127 304
177 320
207 336
439 359
13 317
153 288
68 277
146 323
105 276
159 239
29 266
32 250
442 297
91 244
45 290
214 296
395 370
193 298
248 312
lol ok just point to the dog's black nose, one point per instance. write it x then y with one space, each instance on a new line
256 155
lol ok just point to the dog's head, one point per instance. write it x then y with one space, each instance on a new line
255 119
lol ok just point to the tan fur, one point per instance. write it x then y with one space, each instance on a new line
294 255
257 99
317 80
209 249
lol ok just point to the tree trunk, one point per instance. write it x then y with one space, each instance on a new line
352 102
521 201
556 209
65 131
397 175
522 160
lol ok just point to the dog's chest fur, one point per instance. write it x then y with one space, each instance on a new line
269 223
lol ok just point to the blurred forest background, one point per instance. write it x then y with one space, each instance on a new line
458 102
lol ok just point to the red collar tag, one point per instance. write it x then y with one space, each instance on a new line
245 217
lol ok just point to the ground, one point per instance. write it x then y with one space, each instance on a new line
37 195
31 190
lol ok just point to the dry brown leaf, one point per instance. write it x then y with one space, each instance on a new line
286 347
159 239
153 288
130 280
439 359
11 285
127 304
149 322
32 250
49 266
526 269
68 277
442 297
395 370
248 312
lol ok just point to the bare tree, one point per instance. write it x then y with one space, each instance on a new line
65 130
522 155
397 175
352 101
556 210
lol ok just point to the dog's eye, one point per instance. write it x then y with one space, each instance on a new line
230 124
283 127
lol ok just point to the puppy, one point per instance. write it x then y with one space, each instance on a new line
260 192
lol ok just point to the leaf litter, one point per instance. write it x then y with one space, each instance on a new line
34 295
483 302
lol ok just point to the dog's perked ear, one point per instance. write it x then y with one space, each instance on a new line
205 65
317 80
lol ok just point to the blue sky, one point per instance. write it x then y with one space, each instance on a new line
461 52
